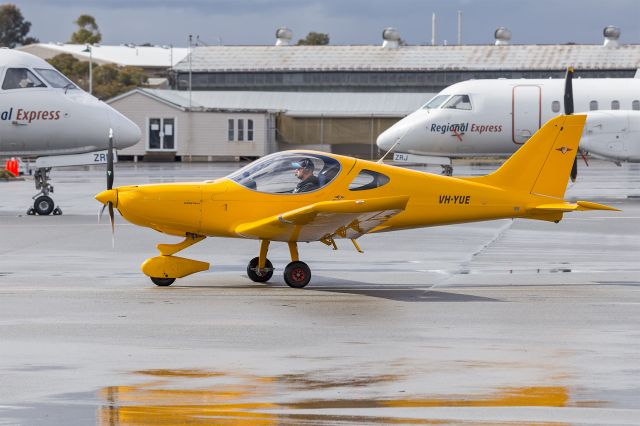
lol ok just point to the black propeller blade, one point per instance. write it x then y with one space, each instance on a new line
110 161
109 187
568 110
568 92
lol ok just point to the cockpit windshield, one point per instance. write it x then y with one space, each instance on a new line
435 102
458 102
20 78
288 173
55 79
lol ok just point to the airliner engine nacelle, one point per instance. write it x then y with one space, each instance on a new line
613 135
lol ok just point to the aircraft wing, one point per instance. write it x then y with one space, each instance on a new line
569 207
325 220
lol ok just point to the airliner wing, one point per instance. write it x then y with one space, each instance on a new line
325 220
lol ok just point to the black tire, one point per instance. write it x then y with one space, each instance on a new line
162 282
263 276
43 205
297 274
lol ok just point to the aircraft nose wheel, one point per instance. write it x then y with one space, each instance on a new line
297 274
162 282
259 276
43 205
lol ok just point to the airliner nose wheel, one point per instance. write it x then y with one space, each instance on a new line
162 282
297 274
259 275
43 204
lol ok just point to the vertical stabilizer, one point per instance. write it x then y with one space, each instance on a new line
543 164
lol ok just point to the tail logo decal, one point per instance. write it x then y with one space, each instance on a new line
564 149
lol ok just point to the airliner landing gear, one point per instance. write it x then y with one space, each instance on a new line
447 170
43 204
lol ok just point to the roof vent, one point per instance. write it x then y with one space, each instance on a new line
390 38
503 36
283 36
611 36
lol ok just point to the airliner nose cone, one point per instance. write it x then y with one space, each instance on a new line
126 133
109 195
387 138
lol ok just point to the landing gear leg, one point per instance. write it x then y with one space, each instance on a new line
297 274
43 204
260 269
447 170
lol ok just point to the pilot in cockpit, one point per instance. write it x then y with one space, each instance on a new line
304 172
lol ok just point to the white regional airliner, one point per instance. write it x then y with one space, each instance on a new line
495 117
44 115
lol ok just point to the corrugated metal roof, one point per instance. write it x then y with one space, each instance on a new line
139 56
410 58
314 104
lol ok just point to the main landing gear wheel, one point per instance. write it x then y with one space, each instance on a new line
259 276
297 274
162 282
43 205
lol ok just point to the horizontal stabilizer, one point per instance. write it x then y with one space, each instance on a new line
569 207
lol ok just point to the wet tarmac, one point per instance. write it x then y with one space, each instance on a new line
503 322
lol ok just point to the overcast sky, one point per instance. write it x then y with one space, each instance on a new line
234 22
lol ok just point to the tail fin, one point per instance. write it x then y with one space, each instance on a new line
542 165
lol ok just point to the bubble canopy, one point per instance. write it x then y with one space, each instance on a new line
276 173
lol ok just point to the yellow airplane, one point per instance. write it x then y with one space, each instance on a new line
296 196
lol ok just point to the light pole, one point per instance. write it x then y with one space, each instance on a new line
88 49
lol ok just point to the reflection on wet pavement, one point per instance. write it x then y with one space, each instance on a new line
210 397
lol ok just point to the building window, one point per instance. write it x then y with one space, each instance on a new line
230 132
615 104
162 134
635 105
240 129
250 130
555 106
593 106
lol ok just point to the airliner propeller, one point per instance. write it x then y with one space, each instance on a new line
568 110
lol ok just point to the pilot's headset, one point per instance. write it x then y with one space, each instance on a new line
305 163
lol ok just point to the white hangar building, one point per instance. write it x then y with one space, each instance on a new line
210 125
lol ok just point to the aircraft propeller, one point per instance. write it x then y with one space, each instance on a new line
568 110
109 187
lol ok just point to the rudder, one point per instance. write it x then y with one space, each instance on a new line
543 164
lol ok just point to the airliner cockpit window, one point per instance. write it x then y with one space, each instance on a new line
20 78
458 102
435 102
55 79
288 173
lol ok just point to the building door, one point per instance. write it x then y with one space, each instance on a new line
162 134
527 105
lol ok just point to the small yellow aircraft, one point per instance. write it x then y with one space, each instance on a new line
296 196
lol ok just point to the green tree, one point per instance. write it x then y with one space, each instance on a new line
314 39
109 80
88 32
13 27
